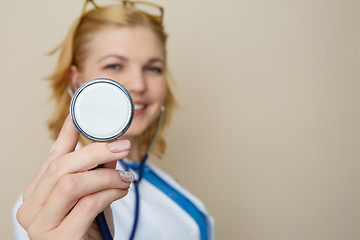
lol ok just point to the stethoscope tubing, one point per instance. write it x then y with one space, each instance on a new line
101 220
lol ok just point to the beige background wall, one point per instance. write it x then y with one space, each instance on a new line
269 133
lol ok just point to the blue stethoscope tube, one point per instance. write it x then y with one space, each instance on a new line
100 218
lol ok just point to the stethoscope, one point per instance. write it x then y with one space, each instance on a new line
102 110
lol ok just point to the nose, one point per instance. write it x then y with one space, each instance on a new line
135 81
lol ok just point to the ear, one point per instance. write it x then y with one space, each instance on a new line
75 78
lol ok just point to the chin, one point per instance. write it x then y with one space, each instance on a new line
135 130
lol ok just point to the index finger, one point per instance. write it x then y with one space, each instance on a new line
66 141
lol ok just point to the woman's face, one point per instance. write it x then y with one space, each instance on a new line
134 57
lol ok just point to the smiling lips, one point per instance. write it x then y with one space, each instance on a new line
140 108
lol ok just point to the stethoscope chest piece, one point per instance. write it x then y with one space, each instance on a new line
102 110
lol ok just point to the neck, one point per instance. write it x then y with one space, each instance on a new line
134 154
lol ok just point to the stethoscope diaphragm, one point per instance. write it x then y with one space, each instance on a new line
102 110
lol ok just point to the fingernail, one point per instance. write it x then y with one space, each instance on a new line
126 176
119 146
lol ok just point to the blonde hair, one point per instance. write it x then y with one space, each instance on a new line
72 51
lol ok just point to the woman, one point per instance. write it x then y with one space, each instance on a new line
62 201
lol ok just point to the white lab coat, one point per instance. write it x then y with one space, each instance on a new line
160 217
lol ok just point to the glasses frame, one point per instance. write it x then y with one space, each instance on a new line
127 3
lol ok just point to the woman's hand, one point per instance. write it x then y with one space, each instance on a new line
65 196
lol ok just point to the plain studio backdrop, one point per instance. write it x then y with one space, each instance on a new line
268 135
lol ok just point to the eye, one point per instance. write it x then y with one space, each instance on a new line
155 69
114 66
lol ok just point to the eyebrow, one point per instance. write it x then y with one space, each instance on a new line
115 56
152 60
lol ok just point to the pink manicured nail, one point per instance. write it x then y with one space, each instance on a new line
126 176
119 146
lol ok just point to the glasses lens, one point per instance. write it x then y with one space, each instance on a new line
146 7
150 9
104 3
